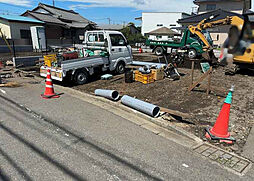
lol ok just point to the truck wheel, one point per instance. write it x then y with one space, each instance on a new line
120 68
81 77
192 53
158 51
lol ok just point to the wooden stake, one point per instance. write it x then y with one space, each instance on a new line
209 81
200 79
174 112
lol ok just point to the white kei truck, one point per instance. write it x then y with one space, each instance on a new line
103 51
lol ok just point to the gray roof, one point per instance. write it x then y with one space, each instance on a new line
219 13
162 31
47 18
110 27
62 17
63 13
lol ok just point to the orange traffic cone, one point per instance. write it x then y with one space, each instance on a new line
49 90
220 128
140 50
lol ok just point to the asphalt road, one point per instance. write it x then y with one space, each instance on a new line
70 139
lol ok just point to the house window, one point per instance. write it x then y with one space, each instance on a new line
158 36
25 34
159 24
210 7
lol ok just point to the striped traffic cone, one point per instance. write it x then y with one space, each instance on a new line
220 128
49 90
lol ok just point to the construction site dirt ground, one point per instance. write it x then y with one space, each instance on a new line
203 108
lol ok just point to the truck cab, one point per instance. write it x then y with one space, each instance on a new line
114 44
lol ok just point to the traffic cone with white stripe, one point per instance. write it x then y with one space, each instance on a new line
49 90
220 128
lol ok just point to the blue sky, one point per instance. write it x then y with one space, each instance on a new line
119 11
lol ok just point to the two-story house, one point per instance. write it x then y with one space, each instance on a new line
236 6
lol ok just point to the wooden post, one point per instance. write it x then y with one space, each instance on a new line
200 80
192 71
209 81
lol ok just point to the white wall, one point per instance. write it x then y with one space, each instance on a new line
232 6
151 20
5 27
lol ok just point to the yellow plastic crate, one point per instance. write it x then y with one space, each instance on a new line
48 59
144 78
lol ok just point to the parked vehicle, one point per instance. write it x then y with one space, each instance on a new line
103 51
188 39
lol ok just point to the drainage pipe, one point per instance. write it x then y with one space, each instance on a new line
158 65
142 106
110 94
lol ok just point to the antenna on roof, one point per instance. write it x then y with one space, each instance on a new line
54 3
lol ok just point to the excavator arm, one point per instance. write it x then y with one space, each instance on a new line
208 23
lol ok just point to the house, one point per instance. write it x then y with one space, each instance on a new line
62 27
17 29
162 33
222 8
236 6
154 20
117 27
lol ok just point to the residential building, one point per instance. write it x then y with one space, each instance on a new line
17 29
162 34
62 27
236 6
154 20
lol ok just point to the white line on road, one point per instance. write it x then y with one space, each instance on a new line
3 91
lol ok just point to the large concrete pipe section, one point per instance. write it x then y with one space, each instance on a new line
110 94
142 106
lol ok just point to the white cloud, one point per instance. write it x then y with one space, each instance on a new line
26 3
146 5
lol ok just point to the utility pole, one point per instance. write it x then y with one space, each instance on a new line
109 20
54 3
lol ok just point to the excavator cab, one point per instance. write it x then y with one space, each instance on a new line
240 40
241 43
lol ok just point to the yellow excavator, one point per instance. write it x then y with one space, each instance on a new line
240 43
235 21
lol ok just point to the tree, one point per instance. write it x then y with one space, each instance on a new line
132 37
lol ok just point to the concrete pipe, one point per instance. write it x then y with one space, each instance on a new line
110 94
142 106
